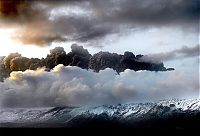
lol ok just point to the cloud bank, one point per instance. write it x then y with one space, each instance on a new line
75 86
42 22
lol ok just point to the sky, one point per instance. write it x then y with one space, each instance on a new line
165 30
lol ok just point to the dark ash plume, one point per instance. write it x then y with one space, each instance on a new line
119 63
79 57
103 60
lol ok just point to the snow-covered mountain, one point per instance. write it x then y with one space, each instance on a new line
126 114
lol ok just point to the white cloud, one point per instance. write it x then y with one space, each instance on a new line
76 86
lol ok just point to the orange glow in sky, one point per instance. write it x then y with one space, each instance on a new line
8 40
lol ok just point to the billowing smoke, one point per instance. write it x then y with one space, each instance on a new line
103 60
16 62
119 63
79 57
5 65
75 86
3 72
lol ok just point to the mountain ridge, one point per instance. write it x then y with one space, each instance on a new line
121 115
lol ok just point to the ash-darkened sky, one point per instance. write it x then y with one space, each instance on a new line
106 23
165 30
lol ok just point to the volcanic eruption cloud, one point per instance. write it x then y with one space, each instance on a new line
79 57
79 78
